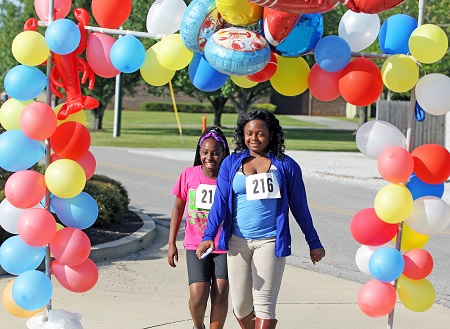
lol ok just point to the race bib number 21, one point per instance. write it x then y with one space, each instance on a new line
204 196
262 186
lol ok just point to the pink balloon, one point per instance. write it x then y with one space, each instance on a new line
78 278
368 229
62 8
38 121
98 52
37 227
70 246
376 298
418 264
87 162
324 85
25 189
395 164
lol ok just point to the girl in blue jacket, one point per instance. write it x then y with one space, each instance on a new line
257 186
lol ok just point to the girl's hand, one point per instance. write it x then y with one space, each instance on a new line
203 246
316 255
172 255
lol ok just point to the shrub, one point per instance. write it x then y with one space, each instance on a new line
264 106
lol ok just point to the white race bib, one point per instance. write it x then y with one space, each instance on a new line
262 186
204 196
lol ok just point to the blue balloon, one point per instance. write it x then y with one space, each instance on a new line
80 211
386 264
332 53
419 188
62 36
19 152
203 76
24 82
395 32
127 54
32 290
303 38
419 113
17 257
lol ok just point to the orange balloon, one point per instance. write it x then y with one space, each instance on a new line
431 163
111 13
11 306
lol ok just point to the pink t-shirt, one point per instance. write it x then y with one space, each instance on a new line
186 189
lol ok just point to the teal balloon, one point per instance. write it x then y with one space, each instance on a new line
80 211
303 38
127 54
32 290
24 82
62 36
19 152
17 257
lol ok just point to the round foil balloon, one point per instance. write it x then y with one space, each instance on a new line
237 51
299 6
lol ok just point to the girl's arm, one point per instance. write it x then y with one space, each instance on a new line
175 222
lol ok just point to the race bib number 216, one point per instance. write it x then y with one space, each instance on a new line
262 186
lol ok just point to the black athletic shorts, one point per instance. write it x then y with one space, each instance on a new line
213 266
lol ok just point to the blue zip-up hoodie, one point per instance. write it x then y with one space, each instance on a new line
293 197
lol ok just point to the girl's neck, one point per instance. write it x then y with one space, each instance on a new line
209 174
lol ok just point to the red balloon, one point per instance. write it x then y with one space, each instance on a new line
299 6
278 24
431 163
38 121
78 278
324 85
71 140
371 6
395 164
376 298
360 83
70 246
111 13
418 264
267 72
37 227
86 161
368 229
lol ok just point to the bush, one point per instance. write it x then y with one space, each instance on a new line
264 106
183 107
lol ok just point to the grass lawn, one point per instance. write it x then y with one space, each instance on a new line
160 130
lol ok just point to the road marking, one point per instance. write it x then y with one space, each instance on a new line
136 170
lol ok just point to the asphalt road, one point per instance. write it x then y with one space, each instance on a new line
149 177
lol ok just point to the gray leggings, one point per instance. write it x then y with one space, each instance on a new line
255 276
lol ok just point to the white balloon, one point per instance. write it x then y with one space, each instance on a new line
433 93
164 16
363 254
360 30
9 216
430 215
376 135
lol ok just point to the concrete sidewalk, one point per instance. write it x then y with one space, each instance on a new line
141 291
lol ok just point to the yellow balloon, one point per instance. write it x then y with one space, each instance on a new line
79 116
30 48
400 73
152 71
416 295
428 43
239 12
172 54
65 178
10 113
11 306
393 203
242 81
291 76
411 239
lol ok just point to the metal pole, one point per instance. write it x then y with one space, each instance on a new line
118 103
412 105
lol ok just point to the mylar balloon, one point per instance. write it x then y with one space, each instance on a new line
395 33
332 53
376 135
24 82
377 299
278 24
429 215
428 43
237 51
239 12
98 54
324 85
152 71
203 76
432 93
360 83
299 6
111 13
32 290
127 54
291 77
267 72
372 6
303 38
62 36
393 203
431 163
200 21
358 29
10 113
29 48
157 22
61 8
400 73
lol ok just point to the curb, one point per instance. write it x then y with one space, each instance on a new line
119 248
